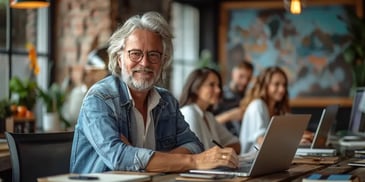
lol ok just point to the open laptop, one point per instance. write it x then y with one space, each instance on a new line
277 151
318 147
355 138
357 117
324 126
325 123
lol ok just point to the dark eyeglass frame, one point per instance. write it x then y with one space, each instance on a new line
136 55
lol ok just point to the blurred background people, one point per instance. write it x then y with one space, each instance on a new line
227 111
268 97
201 91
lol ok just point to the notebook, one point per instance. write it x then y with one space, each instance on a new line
277 151
95 177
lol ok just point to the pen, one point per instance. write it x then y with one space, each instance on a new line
82 177
256 148
216 143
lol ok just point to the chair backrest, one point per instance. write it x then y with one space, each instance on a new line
35 155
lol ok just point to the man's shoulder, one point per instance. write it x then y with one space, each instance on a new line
165 94
163 91
107 87
229 94
107 82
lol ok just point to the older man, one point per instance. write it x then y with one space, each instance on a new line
128 123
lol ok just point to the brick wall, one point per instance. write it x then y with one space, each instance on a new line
82 26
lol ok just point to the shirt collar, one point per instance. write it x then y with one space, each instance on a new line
153 98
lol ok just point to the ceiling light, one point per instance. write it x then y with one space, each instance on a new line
295 7
27 4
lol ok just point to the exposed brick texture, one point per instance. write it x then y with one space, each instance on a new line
84 25
81 27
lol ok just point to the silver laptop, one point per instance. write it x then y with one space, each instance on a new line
357 117
280 142
318 147
355 138
324 126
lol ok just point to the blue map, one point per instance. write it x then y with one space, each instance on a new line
308 47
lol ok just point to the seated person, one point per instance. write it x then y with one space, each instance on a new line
227 111
268 97
201 91
128 123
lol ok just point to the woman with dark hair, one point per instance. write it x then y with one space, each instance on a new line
268 97
201 91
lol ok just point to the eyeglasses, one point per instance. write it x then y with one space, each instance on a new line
136 56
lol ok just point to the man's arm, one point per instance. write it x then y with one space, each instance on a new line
172 162
180 150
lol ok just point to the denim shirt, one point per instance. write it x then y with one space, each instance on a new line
105 116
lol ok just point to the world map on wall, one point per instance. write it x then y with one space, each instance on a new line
308 47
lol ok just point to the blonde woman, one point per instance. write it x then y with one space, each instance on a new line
268 97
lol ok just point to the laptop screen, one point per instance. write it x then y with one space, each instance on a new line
357 118
324 126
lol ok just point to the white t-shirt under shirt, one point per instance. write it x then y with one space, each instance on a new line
254 124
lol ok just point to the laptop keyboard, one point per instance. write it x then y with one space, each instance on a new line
243 168
246 168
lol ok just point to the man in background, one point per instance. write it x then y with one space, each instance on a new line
227 111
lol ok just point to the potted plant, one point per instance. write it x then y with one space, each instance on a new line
53 99
23 92
354 54
5 111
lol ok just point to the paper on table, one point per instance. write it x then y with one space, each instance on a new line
103 177
358 162
315 160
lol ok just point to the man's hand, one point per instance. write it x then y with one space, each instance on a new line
215 157
124 140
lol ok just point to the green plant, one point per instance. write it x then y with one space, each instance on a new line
54 98
23 92
354 54
205 60
5 110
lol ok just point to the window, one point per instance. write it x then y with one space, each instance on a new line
185 23
19 27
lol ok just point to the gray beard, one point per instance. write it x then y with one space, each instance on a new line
142 85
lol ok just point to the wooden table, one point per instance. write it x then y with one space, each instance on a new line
296 173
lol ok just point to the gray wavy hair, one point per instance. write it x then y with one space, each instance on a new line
151 21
